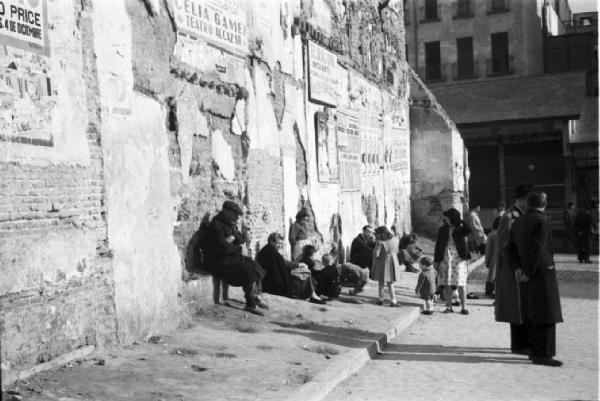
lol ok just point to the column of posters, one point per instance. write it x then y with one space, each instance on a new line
349 149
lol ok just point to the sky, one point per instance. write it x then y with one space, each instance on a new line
579 6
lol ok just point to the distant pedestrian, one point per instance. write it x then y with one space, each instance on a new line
507 305
450 257
222 247
386 268
491 258
583 229
530 245
361 250
477 237
500 209
299 235
426 284
569 214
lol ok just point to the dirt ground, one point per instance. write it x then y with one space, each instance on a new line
224 353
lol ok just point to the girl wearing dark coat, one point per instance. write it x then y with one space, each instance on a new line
426 284
451 256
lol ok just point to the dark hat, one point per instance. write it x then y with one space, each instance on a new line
302 213
522 190
233 207
453 215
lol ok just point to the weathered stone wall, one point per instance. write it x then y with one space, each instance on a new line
154 128
437 161
56 288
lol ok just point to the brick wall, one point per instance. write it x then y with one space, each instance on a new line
56 291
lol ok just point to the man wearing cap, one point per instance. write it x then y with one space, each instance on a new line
508 292
222 247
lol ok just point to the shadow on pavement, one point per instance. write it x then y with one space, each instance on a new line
440 353
347 337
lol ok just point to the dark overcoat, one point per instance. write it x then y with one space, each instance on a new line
507 304
225 259
530 244
361 252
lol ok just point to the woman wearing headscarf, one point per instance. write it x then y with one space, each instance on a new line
450 257
299 237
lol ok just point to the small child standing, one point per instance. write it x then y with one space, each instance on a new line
426 284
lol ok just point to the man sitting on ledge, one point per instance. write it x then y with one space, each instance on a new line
282 277
222 247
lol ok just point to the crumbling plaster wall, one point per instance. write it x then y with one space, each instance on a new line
437 161
56 288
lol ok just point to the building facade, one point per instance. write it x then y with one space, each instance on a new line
515 85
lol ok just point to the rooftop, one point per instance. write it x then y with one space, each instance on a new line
545 96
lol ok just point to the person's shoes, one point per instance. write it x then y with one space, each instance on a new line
261 304
355 291
253 310
455 303
464 312
317 301
546 362
379 302
395 304
448 310
427 312
472 295
522 351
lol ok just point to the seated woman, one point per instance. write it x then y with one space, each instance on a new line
283 277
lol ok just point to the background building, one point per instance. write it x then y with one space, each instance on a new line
513 76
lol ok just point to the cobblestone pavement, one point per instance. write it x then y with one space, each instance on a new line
456 357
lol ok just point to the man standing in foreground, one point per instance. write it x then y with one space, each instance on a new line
530 247
508 292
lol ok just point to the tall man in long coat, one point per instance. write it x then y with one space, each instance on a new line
530 246
222 247
508 292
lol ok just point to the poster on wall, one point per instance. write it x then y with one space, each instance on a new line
372 149
348 145
221 23
25 89
23 25
327 158
400 150
323 76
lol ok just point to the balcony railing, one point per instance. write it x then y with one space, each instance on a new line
462 9
500 66
430 14
498 6
433 74
465 71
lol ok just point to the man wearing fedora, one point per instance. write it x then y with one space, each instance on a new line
530 249
507 305
222 247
